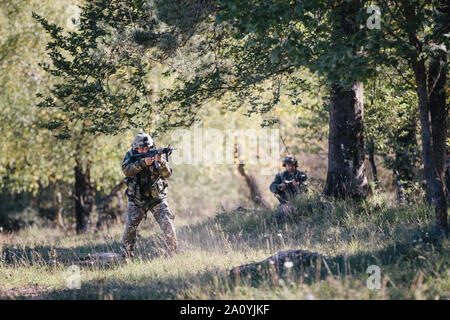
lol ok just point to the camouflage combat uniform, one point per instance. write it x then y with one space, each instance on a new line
287 208
147 190
290 191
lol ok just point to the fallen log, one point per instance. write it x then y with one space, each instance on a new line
302 262
100 258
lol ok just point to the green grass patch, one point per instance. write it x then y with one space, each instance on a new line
352 236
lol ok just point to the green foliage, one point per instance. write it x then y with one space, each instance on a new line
32 159
417 32
237 48
258 41
23 165
90 85
391 117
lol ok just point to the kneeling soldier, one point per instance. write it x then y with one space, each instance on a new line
147 190
287 185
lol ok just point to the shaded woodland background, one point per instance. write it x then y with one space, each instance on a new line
73 98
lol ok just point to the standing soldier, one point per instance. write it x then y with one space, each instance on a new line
287 185
146 190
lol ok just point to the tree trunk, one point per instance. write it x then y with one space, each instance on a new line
433 179
255 192
373 167
122 207
104 209
59 217
439 112
84 197
405 145
346 175
346 169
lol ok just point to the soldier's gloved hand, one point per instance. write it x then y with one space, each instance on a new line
295 183
159 157
148 161
282 185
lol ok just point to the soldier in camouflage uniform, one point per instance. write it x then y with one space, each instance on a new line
147 190
287 185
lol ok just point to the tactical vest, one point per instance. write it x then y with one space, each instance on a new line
147 187
291 191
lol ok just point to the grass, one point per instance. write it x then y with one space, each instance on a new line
35 261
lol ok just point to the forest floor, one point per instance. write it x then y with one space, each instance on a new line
38 263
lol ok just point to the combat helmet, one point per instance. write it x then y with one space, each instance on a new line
142 140
290 159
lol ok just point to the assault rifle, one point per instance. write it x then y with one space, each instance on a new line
151 153
300 185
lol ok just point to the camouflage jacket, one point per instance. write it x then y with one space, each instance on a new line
290 191
146 185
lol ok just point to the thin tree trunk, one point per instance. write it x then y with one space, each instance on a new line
121 207
59 217
346 169
434 180
405 145
435 184
373 167
104 208
84 197
439 112
255 192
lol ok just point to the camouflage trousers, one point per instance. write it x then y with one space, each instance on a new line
162 214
